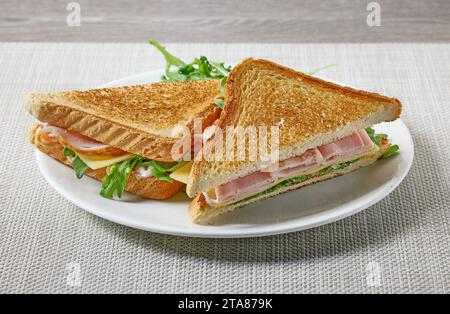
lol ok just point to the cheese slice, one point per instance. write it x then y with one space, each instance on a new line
182 174
96 162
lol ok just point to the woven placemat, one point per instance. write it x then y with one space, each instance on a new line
400 244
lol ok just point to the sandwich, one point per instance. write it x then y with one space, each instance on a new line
123 136
324 131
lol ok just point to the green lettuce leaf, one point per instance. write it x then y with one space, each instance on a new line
320 69
390 152
377 138
161 171
68 152
118 174
117 177
79 166
199 69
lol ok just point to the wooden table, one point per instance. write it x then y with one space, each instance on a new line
225 21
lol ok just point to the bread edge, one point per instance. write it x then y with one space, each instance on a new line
130 140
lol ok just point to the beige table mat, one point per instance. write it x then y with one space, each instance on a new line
401 244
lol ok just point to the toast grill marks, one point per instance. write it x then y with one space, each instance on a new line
127 122
314 112
349 147
145 120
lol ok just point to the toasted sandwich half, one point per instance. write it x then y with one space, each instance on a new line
324 131
123 136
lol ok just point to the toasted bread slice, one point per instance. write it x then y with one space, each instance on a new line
201 212
309 112
145 187
145 120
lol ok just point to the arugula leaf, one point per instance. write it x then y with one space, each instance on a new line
161 168
160 172
117 178
223 81
118 174
376 138
390 152
370 131
325 170
343 165
68 152
320 69
79 166
339 166
219 102
160 175
199 69
171 59
276 187
220 68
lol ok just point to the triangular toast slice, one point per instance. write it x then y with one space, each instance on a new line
145 120
309 112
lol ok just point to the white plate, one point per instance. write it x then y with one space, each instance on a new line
305 208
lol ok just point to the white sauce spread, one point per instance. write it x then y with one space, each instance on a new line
145 172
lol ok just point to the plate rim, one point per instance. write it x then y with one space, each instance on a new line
302 223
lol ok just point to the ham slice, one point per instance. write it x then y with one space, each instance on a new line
348 145
356 143
251 182
80 143
304 162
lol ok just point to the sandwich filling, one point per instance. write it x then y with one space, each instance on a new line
318 161
85 153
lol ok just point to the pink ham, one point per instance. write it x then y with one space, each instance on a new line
353 144
310 157
304 162
78 142
243 186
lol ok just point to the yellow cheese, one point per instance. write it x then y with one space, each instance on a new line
182 174
96 162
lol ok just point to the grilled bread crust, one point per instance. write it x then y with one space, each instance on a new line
145 187
145 120
309 112
200 212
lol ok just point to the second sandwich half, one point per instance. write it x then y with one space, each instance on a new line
122 136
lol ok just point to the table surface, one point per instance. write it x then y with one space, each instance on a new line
400 244
230 21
